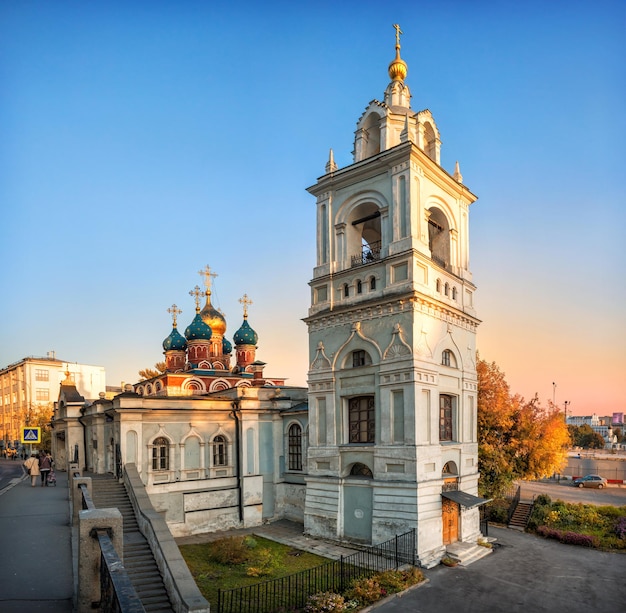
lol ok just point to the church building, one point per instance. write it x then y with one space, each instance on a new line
384 440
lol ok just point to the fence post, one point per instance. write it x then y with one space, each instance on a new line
89 555
342 586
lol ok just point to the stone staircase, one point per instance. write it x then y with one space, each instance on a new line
521 514
466 553
139 562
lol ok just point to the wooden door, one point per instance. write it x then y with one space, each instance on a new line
450 517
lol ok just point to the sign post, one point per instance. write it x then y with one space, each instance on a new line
31 435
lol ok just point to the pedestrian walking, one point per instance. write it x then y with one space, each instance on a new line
32 466
45 466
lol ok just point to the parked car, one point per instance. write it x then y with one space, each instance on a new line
590 481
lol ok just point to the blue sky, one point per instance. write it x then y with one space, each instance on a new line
142 141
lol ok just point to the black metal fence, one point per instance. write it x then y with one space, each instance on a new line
291 593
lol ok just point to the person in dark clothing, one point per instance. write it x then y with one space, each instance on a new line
45 465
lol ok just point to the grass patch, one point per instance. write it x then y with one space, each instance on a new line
245 560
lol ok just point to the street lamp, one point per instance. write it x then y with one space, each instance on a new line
566 403
553 393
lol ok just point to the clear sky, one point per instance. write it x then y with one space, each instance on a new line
141 141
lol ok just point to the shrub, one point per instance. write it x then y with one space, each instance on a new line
620 528
392 581
498 511
262 563
325 601
231 550
583 540
366 590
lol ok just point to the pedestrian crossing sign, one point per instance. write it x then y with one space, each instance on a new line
31 434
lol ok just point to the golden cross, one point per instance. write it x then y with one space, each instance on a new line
196 293
174 311
398 32
245 301
207 274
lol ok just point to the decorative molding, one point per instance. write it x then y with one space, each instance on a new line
398 346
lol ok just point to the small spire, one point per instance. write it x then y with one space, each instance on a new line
175 312
457 173
196 292
331 166
245 301
404 135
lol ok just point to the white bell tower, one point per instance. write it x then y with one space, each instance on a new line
392 338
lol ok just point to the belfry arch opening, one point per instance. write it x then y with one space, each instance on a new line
439 237
371 136
364 235
430 142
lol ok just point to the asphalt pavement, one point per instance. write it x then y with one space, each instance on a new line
36 569
524 574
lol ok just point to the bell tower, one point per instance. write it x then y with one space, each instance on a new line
392 336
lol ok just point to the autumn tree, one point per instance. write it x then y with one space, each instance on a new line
586 437
149 373
516 439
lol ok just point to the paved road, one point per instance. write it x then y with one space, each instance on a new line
565 491
10 472
524 574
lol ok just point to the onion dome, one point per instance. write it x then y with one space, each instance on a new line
175 341
212 317
198 330
245 335
227 348
398 68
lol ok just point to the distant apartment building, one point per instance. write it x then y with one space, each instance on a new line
604 426
32 384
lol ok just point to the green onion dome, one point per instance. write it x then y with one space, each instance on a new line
227 348
245 335
198 330
175 341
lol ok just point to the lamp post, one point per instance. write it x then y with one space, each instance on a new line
553 393
566 403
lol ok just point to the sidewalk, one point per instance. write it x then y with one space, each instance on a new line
36 567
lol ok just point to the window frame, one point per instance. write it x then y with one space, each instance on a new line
362 420
160 454
294 447
219 450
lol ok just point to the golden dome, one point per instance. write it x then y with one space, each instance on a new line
398 68
212 317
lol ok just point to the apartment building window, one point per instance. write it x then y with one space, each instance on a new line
41 374
42 395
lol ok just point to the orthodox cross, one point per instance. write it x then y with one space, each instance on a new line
207 274
245 301
196 293
398 32
175 312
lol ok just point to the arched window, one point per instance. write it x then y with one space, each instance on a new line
438 285
220 451
295 447
359 287
360 470
346 290
372 284
448 359
439 237
361 419
454 293
161 454
446 289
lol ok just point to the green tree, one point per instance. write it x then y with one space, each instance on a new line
149 373
586 437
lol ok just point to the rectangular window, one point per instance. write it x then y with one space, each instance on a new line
361 419
42 395
41 374
397 403
358 358
445 418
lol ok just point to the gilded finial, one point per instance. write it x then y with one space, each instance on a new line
196 292
175 312
245 301
207 274
398 68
